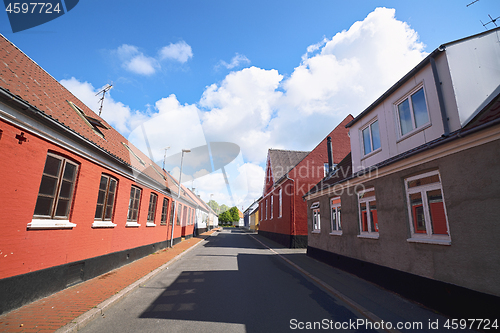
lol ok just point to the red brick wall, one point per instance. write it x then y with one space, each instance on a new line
306 174
23 250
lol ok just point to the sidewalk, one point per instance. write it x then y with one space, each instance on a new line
62 308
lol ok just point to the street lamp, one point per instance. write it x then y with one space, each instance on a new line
178 197
165 156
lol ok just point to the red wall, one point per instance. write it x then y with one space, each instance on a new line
23 250
305 175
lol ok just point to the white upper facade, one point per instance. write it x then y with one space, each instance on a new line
439 96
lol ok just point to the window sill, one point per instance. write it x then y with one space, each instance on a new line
373 235
50 224
429 241
413 132
336 233
371 153
149 224
132 224
316 231
103 224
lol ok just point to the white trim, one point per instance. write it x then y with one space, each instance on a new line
415 129
103 224
316 231
366 200
337 205
149 224
429 241
362 139
50 224
372 235
428 237
44 132
132 224
456 146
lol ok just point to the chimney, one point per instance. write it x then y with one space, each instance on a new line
330 154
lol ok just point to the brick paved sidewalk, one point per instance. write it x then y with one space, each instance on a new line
55 311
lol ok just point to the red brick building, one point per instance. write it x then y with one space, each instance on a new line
77 198
289 176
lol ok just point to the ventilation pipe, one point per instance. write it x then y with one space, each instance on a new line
330 154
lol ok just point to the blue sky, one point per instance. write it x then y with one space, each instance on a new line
240 71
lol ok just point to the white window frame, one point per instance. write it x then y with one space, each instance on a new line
366 200
335 209
414 129
272 207
280 203
134 222
362 138
428 237
266 208
52 221
104 222
153 205
316 217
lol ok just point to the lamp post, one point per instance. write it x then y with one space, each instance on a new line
165 156
178 197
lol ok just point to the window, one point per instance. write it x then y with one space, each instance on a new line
179 212
368 220
133 207
172 213
272 206
184 216
266 209
105 202
153 199
335 221
280 204
316 218
164 212
412 112
326 167
426 209
91 122
55 194
371 137
133 154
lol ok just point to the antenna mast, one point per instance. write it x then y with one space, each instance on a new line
103 92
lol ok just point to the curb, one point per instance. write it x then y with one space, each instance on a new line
369 315
82 320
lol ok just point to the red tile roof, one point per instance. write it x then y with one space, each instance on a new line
28 82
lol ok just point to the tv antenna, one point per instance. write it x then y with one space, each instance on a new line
103 92
493 20
472 2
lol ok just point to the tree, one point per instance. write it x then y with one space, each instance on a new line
234 214
223 208
214 205
225 217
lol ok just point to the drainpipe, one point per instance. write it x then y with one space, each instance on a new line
439 89
330 154
293 206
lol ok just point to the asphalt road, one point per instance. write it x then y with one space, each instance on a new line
228 283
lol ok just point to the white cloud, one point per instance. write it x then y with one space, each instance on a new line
180 51
258 109
240 108
135 61
237 60
118 115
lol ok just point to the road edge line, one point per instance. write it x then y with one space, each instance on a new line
81 321
369 315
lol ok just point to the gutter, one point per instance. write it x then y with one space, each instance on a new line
18 102
293 205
